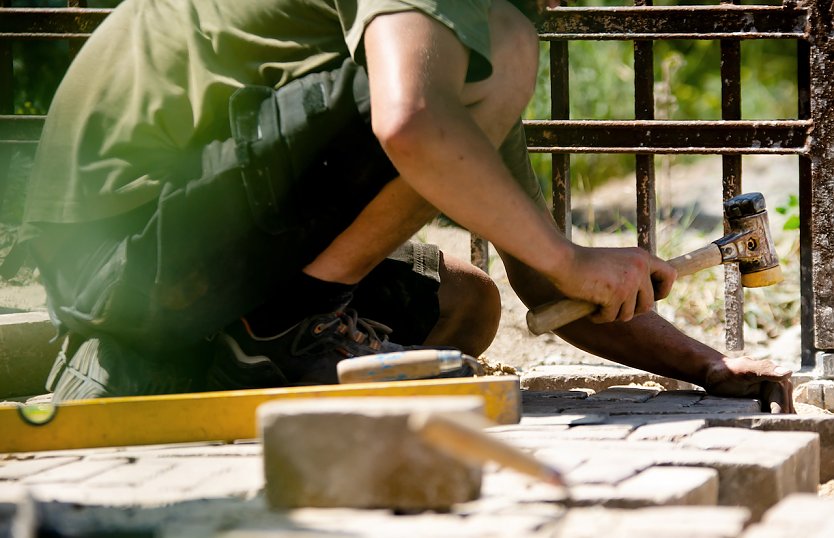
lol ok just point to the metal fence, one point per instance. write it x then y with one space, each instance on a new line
810 136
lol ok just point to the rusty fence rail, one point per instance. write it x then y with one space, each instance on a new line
809 23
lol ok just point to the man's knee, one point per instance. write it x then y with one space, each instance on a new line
470 307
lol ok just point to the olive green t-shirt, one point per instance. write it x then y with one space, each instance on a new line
151 87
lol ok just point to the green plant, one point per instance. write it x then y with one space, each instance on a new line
791 210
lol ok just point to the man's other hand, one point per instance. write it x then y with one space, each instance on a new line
744 377
624 282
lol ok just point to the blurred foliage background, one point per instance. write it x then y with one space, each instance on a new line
687 87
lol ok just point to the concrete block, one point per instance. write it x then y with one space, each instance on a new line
672 430
610 471
796 515
359 452
657 522
715 404
757 473
828 395
14 469
810 393
17 512
825 364
597 378
74 472
662 486
720 438
822 425
625 394
26 354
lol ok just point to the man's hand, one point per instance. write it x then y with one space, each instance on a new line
624 282
744 377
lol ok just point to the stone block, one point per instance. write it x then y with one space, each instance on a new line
26 354
822 425
796 515
828 395
825 364
360 453
760 472
811 393
74 472
625 394
670 430
657 522
17 512
663 486
596 378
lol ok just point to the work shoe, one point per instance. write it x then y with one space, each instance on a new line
102 367
304 354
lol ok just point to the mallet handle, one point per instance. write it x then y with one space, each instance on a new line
557 314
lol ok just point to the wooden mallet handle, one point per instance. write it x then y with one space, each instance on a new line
550 316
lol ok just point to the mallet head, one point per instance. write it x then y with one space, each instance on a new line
749 242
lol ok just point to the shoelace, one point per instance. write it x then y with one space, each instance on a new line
360 328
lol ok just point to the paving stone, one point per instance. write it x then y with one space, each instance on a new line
797 515
625 394
760 473
822 425
720 438
661 486
667 430
683 398
610 471
811 393
132 473
73 472
599 431
714 404
828 395
597 378
657 522
562 420
13 468
17 512
359 452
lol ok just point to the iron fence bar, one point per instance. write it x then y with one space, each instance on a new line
24 129
674 22
644 164
74 44
668 137
560 110
731 186
50 23
822 171
6 103
806 316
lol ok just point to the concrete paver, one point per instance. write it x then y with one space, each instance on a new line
360 453
626 454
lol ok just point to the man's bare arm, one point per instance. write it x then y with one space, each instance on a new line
651 343
443 142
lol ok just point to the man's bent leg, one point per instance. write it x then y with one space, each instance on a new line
470 308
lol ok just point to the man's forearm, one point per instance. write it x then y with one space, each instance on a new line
647 342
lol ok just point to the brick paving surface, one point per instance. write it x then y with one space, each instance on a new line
639 462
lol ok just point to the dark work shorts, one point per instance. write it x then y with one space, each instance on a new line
167 275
